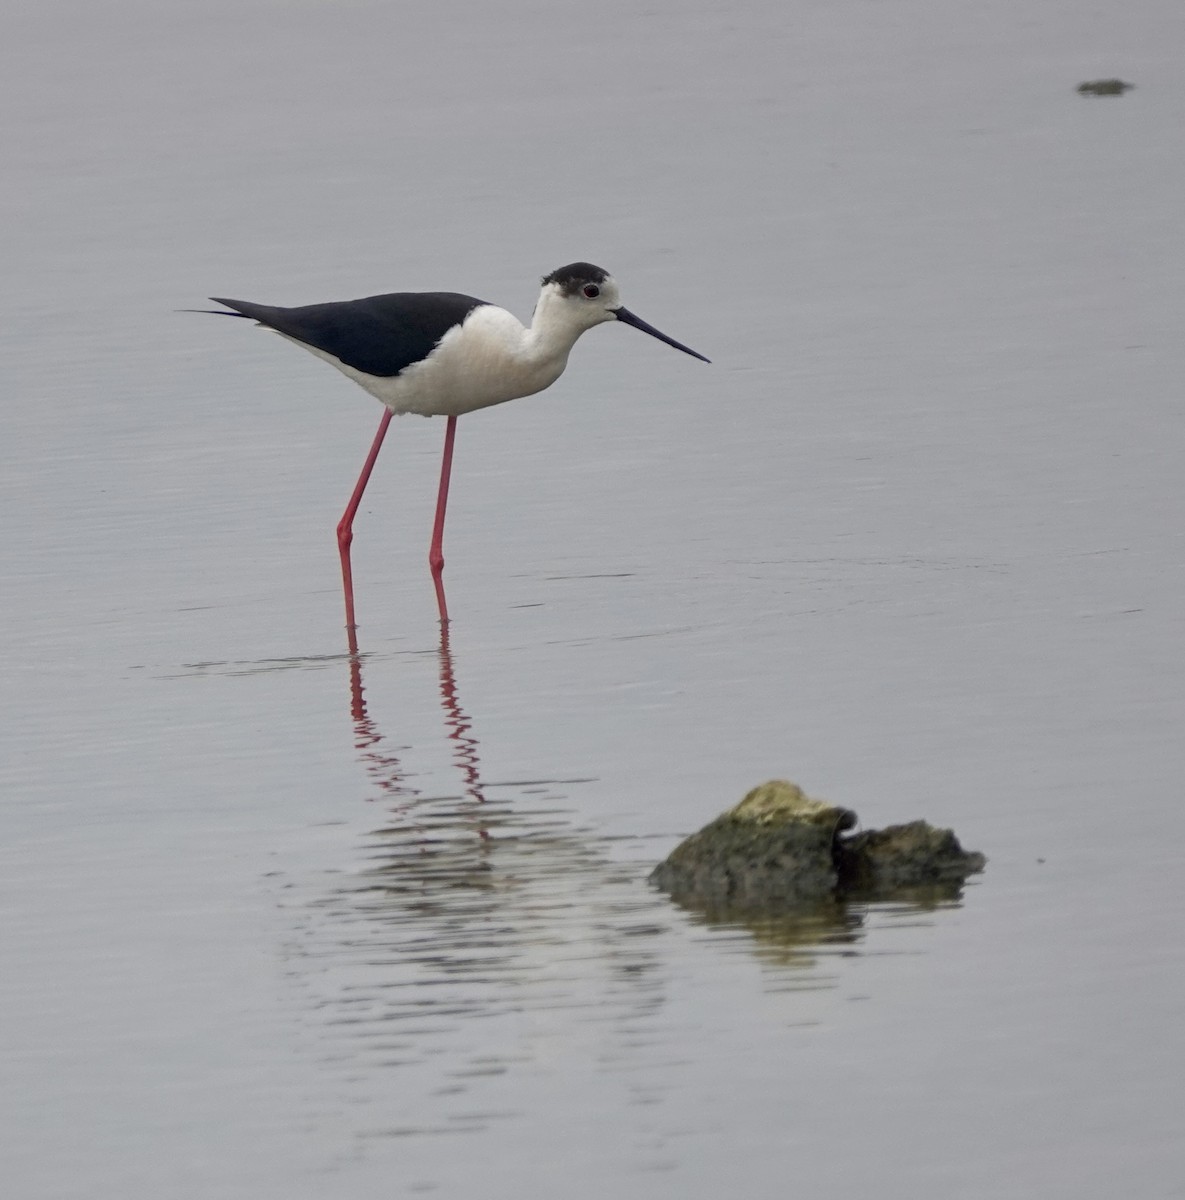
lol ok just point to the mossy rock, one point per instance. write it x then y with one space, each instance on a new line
778 849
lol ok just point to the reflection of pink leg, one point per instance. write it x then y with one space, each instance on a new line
345 527
458 726
436 553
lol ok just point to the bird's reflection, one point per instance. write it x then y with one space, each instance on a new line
478 903
384 765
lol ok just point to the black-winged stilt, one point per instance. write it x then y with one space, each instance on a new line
444 354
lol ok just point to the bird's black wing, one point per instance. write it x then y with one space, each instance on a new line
380 335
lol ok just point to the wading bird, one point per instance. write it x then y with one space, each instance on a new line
442 354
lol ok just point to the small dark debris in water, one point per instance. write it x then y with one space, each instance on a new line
779 850
1104 87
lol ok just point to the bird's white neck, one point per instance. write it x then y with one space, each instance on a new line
553 330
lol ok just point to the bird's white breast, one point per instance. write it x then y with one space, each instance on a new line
488 359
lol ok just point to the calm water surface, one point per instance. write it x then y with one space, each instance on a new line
282 922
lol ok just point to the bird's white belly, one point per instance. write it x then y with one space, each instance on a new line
482 362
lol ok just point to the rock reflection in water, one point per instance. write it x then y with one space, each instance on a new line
803 937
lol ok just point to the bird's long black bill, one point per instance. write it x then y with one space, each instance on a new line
624 315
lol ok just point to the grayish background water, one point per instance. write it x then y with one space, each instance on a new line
914 540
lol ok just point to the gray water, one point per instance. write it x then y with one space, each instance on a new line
281 924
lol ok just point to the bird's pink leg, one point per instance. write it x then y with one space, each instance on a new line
345 527
436 553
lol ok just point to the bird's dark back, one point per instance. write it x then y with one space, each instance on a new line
379 335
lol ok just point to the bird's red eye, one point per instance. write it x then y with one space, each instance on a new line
591 290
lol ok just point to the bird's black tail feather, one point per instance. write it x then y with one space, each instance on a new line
216 312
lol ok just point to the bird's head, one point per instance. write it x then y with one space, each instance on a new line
589 296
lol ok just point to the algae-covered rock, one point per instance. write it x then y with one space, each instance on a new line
776 847
779 850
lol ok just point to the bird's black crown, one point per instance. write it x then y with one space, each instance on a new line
574 276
